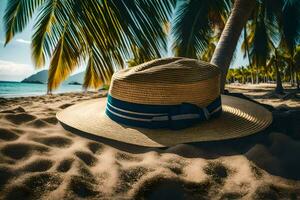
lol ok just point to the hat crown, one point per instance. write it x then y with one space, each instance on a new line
168 81
168 71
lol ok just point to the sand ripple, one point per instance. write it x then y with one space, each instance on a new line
40 160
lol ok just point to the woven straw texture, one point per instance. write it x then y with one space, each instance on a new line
239 118
168 81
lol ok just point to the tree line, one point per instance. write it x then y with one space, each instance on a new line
280 67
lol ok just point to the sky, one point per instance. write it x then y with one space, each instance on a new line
15 57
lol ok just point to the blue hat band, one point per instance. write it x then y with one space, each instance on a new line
160 116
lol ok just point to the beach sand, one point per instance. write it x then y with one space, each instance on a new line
41 160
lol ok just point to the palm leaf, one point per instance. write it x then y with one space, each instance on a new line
193 25
291 23
65 58
17 15
97 72
41 40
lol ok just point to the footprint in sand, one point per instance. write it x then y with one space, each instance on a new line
51 120
5 175
34 186
65 105
3 100
38 123
54 141
8 135
217 171
84 171
82 187
19 118
232 195
65 165
275 192
175 165
172 188
43 182
176 170
129 176
15 110
18 192
126 157
95 147
38 165
86 157
22 150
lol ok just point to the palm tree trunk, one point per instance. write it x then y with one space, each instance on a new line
230 36
257 78
291 74
248 53
279 88
298 81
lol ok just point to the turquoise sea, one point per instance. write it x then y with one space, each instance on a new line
17 89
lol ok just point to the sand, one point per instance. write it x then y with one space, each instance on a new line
263 93
41 160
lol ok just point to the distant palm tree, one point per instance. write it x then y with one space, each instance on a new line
293 61
95 33
297 65
246 49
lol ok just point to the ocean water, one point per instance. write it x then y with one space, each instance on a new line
17 89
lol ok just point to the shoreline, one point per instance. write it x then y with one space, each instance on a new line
49 95
18 89
39 159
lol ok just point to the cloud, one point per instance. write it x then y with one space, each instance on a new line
11 71
20 40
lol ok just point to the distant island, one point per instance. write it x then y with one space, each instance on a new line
42 78
74 83
34 82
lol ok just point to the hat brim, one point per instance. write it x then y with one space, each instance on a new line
239 118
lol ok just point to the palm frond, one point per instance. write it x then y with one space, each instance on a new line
191 29
42 44
291 23
17 15
193 25
97 72
65 58
142 23
260 47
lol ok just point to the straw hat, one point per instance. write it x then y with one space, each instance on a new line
165 102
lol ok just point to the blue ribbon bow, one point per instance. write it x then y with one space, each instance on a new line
183 116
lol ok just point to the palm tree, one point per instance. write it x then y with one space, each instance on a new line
297 65
231 75
95 33
276 60
282 12
294 65
268 20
